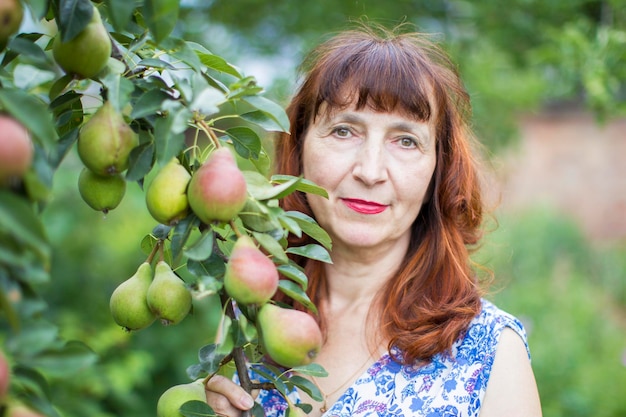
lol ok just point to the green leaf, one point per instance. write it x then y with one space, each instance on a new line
246 141
161 17
119 89
32 113
69 359
212 267
270 108
201 248
155 63
74 15
120 13
168 135
140 161
295 274
181 234
293 290
28 50
17 217
272 246
261 189
256 216
210 358
217 63
196 408
311 228
224 337
312 251
149 103
248 330
207 102
307 386
262 120
304 185
312 369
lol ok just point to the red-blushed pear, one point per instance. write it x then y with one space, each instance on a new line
105 141
128 303
5 375
166 196
101 193
11 14
217 190
16 149
88 52
290 337
168 297
250 277
174 397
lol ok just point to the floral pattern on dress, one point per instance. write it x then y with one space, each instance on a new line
451 385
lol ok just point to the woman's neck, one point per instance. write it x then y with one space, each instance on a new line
357 274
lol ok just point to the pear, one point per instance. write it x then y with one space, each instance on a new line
168 296
105 141
16 149
88 52
20 410
174 397
166 196
217 190
101 193
250 276
290 337
11 14
128 304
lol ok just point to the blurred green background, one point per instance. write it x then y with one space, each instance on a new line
519 58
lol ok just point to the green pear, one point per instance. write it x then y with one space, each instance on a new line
217 190
290 337
250 276
11 14
174 397
128 304
105 141
166 196
101 193
16 149
168 296
20 410
88 52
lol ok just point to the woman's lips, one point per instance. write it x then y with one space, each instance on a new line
364 207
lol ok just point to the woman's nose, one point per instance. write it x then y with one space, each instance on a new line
370 166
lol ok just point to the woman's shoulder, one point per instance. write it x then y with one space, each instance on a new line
488 325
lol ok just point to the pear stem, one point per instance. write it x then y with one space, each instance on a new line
209 132
154 251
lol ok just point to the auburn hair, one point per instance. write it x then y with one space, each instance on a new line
434 294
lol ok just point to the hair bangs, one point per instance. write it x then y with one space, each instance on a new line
379 75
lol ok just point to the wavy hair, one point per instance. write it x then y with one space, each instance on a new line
434 294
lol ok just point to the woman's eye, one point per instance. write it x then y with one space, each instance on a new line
408 142
341 132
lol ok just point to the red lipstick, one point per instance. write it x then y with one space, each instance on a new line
364 207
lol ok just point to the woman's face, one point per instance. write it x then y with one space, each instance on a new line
376 168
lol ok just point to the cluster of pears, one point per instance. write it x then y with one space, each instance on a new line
290 337
16 149
149 295
217 191
104 145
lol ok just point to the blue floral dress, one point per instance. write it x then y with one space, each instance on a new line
451 385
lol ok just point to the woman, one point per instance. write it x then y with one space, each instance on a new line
380 121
